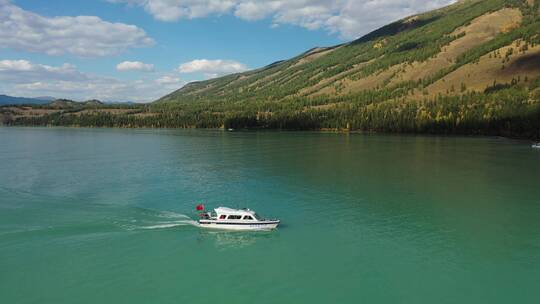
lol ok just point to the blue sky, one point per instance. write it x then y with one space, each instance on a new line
139 50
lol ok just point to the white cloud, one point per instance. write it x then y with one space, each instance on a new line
212 68
348 18
172 10
134 66
86 36
24 78
24 71
169 80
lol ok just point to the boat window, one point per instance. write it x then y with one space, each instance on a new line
222 217
248 217
234 217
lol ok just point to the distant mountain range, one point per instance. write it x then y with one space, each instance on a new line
10 100
67 103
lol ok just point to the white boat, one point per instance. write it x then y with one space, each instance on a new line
235 219
537 146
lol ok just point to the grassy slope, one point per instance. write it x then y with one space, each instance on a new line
438 42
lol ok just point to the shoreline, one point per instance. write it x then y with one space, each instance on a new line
263 130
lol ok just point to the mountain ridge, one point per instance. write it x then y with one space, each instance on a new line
475 9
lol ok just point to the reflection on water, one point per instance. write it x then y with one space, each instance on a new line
235 239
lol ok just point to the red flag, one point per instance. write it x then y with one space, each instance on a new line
199 207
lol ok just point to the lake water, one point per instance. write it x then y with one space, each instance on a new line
100 216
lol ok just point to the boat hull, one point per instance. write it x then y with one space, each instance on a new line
211 224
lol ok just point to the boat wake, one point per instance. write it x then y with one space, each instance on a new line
150 220
171 224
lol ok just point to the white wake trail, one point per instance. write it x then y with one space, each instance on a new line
170 214
165 225
149 220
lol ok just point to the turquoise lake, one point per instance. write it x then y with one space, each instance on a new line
102 216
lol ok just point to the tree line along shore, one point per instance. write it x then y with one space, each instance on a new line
506 111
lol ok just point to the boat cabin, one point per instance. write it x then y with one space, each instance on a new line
224 213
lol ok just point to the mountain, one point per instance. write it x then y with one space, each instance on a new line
469 68
46 98
68 104
418 71
7 100
466 43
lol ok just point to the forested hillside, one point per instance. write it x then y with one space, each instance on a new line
469 68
